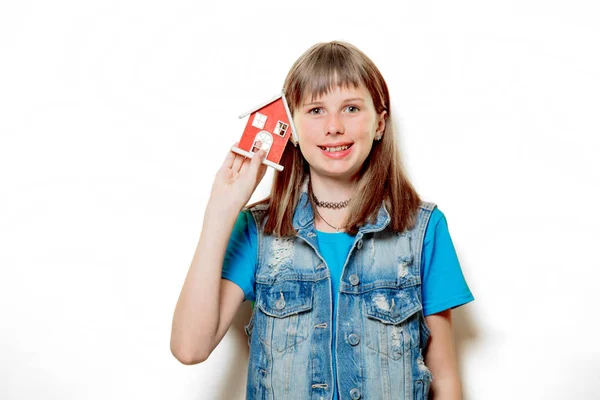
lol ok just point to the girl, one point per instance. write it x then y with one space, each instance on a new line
352 275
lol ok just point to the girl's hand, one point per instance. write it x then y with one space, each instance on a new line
237 179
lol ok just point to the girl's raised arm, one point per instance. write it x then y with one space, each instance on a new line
207 304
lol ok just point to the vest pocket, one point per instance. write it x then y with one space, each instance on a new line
392 323
284 319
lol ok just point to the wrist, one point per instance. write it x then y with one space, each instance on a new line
217 225
223 210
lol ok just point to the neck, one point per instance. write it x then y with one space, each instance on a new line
331 189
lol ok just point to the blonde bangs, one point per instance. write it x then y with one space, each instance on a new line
322 70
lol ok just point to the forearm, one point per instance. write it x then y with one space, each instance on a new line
196 316
441 358
446 388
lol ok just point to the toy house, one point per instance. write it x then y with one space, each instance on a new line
269 127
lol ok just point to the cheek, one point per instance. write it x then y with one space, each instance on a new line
363 128
307 129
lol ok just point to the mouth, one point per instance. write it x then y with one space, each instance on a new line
335 149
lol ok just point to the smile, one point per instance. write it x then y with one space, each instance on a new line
336 148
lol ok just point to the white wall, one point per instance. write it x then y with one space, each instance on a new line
115 115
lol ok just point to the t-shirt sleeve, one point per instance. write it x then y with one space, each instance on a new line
239 264
443 283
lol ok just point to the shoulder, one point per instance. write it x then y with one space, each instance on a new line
433 211
437 227
427 206
428 213
426 209
260 207
244 227
257 212
432 219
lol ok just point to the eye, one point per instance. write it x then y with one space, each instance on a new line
315 111
352 109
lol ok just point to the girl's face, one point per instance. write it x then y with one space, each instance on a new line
336 131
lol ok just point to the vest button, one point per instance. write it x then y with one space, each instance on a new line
280 304
354 279
355 394
353 339
359 245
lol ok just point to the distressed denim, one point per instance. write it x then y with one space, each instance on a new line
381 330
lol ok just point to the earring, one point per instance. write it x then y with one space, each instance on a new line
378 137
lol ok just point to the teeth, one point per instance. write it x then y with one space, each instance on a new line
332 149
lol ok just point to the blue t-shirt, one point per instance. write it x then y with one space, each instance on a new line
442 280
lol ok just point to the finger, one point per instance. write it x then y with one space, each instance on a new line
248 161
260 175
228 162
256 161
262 170
230 157
237 163
245 165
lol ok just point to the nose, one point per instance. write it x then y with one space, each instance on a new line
335 125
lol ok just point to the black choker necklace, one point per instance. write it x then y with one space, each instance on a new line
327 204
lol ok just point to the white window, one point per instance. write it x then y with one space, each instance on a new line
280 128
259 120
263 140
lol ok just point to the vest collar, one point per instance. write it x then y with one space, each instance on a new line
304 219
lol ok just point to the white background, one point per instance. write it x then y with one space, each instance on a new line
115 115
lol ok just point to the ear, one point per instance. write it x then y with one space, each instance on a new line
381 119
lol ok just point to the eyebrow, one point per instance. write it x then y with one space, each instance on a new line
316 103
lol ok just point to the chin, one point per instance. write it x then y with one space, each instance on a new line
336 173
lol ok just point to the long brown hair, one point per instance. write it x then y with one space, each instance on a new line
320 69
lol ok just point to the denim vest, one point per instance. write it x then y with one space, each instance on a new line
381 330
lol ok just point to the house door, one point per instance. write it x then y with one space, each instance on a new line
263 140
